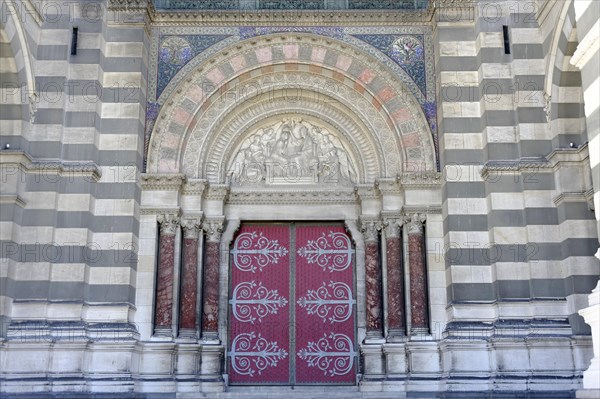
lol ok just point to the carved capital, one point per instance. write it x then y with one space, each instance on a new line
370 229
213 228
415 222
392 226
191 227
168 223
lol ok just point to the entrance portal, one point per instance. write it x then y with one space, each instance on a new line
292 305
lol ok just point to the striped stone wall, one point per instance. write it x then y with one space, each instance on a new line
519 231
70 239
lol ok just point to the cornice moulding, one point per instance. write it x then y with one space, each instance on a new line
27 164
160 211
162 182
291 197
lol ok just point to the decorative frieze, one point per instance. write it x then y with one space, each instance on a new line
162 181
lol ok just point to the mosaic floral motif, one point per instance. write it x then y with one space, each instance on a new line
252 31
333 251
333 354
251 250
250 302
336 296
176 51
406 50
251 354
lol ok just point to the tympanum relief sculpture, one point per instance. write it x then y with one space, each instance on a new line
292 151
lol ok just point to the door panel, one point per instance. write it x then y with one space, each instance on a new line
259 305
325 306
292 305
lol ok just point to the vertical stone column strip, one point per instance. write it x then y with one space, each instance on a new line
163 310
396 312
419 307
189 277
370 230
210 288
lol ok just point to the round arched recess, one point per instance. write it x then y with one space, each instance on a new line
373 109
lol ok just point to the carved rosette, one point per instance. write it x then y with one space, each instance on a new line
168 223
191 227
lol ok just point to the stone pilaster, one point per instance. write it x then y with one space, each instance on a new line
370 229
419 307
189 277
396 311
210 305
163 310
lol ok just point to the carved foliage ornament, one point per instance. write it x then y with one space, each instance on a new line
213 229
168 223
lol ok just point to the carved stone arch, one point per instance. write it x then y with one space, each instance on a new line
367 149
188 119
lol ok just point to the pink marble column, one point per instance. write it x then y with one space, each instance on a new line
419 306
210 303
370 230
163 305
395 280
189 278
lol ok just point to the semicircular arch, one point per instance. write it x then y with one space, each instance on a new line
322 66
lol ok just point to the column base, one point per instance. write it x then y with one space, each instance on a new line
374 337
373 361
396 336
210 338
162 332
187 333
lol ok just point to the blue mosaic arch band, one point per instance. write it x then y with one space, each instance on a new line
407 51
176 51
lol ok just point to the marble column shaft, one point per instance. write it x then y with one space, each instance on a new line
163 312
418 274
189 275
373 279
395 278
210 305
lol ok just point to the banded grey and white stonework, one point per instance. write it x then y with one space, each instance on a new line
130 159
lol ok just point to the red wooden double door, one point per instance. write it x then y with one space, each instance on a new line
292 305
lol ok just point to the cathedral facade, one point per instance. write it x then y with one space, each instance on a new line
300 198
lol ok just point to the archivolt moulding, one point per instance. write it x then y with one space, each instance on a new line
189 118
